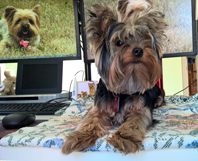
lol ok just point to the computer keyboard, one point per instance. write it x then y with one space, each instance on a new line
34 108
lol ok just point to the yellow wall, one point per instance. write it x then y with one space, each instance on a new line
172 75
12 67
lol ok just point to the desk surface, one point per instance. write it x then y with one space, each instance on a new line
38 117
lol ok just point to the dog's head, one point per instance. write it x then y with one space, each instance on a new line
127 7
23 24
84 94
127 55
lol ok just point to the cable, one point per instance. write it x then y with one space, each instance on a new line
72 81
47 104
70 89
78 72
186 87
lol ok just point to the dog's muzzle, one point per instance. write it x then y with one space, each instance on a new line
25 29
138 52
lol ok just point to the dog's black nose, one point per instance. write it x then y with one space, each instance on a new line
25 26
138 52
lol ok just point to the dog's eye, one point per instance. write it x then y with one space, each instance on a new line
19 20
131 12
119 43
13 82
31 21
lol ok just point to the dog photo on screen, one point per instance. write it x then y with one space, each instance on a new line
178 14
37 29
20 27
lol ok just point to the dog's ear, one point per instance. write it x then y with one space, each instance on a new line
7 74
122 6
150 2
36 9
127 7
9 13
100 18
156 23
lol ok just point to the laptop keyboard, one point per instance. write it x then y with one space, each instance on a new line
34 108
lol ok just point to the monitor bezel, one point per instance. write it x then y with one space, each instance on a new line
21 63
78 47
168 55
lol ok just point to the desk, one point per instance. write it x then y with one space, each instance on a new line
38 117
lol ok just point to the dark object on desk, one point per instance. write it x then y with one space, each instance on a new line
4 132
18 120
38 108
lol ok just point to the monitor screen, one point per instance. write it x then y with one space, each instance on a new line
39 76
39 29
42 78
181 31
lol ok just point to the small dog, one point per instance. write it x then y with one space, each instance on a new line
20 28
84 94
92 89
9 84
128 7
127 56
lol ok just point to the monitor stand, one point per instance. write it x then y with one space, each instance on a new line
35 98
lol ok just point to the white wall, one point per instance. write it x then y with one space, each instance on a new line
2 69
94 72
70 67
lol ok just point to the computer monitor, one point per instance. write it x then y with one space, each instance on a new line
39 76
59 27
56 22
181 31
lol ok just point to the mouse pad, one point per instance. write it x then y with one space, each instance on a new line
4 132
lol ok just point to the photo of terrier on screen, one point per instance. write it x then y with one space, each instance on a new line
37 29
20 27
178 18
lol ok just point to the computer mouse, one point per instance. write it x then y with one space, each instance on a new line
18 120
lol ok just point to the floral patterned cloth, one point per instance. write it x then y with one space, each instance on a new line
177 127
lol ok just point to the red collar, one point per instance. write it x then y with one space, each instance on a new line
116 104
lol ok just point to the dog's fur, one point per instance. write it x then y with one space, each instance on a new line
128 7
127 56
20 24
10 83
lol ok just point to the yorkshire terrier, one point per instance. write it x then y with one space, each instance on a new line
128 7
20 28
127 56
92 89
84 94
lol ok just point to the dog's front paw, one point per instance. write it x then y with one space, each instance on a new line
127 142
78 141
